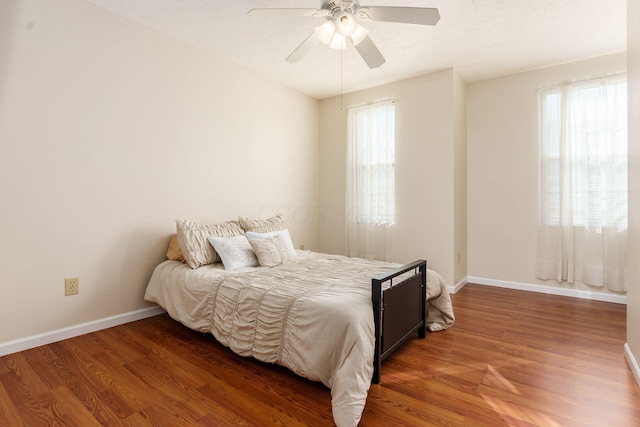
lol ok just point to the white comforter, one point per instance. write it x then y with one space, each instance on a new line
312 315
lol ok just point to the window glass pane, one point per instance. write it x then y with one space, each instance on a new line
372 137
583 136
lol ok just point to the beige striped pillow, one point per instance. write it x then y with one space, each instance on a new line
194 243
275 223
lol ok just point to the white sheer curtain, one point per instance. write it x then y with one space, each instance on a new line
370 181
583 189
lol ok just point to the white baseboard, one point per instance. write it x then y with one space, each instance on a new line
632 363
108 322
553 290
457 287
76 330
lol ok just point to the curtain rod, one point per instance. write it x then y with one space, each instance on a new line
378 101
582 80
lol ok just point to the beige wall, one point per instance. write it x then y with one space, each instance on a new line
633 294
110 131
503 168
460 180
429 148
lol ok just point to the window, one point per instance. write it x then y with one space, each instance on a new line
584 154
370 181
582 236
372 148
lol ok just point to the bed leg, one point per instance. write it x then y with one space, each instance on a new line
422 331
376 298
376 370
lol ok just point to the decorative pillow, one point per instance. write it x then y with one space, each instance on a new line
192 237
174 253
235 251
286 237
274 223
271 251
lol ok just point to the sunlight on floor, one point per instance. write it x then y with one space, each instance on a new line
512 412
494 379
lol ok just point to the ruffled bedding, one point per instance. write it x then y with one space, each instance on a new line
312 315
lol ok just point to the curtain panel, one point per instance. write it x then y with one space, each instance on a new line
583 255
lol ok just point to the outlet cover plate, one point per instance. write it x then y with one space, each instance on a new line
71 286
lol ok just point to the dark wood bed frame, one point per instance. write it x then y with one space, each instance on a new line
398 311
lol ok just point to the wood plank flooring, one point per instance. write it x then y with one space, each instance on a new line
513 358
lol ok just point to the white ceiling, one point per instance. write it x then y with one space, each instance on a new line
481 39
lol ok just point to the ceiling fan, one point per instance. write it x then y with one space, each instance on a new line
343 25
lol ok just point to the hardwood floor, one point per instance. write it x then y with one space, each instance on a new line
513 358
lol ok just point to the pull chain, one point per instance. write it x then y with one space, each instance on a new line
341 73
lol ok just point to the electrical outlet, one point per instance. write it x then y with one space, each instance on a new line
71 285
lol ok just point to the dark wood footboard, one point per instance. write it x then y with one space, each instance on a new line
399 310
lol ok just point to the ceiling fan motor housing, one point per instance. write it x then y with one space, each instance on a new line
335 6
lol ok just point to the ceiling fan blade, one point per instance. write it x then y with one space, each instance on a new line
370 53
405 15
286 12
304 48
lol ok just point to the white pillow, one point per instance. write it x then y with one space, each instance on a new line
285 235
235 252
271 251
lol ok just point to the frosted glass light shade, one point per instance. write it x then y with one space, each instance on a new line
338 41
325 32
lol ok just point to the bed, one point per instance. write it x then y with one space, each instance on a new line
313 313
